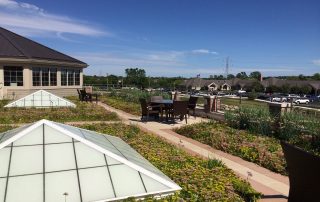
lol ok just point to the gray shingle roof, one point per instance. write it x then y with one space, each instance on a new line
16 46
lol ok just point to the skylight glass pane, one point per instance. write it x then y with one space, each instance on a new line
153 185
126 181
88 157
95 184
58 183
59 157
54 136
26 160
25 187
72 129
101 141
134 156
33 137
4 161
1 135
13 132
2 188
112 161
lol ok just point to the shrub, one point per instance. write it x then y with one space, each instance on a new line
256 120
135 95
300 129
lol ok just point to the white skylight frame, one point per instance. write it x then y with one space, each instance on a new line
157 194
67 102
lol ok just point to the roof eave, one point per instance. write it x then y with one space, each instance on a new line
42 61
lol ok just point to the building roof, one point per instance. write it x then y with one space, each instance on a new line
18 47
41 99
42 161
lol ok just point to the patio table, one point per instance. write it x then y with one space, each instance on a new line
167 105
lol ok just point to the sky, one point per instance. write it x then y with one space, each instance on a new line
175 37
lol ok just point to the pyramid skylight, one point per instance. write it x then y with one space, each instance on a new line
41 99
49 162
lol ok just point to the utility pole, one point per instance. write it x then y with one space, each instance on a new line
107 81
227 67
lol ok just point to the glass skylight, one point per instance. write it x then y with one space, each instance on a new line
41 99
42 161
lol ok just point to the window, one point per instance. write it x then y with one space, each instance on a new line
64 81
13 76
70 77
77 77
53 76
44 76
36 76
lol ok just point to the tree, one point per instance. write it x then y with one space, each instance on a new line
316 76
257 87
273 89
305 89
295 90
230 76
136 77
285 88
302 77
242 75
255 75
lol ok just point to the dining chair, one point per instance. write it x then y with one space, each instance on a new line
147 110
179 108
192 105
304 175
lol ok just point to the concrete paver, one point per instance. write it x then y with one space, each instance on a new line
275 187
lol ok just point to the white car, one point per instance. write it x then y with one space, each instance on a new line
302 101
279 99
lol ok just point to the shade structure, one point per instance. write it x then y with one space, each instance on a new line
41 99
48 161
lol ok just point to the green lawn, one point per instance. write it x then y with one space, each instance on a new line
83 112
201 180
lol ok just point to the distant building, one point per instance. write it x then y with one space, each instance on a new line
237 84
27 66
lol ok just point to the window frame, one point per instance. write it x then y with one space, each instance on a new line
73 80
44 72
10 72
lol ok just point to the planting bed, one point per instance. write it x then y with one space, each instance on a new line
262 150
83 112
201 180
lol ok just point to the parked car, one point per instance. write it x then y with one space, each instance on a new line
279 99
302 101
312 98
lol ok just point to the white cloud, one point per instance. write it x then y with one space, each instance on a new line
316 62
29 18
204 51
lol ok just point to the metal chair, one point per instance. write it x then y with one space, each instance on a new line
304 173
179 108
147 110
192 105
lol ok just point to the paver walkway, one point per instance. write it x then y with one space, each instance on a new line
274 187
